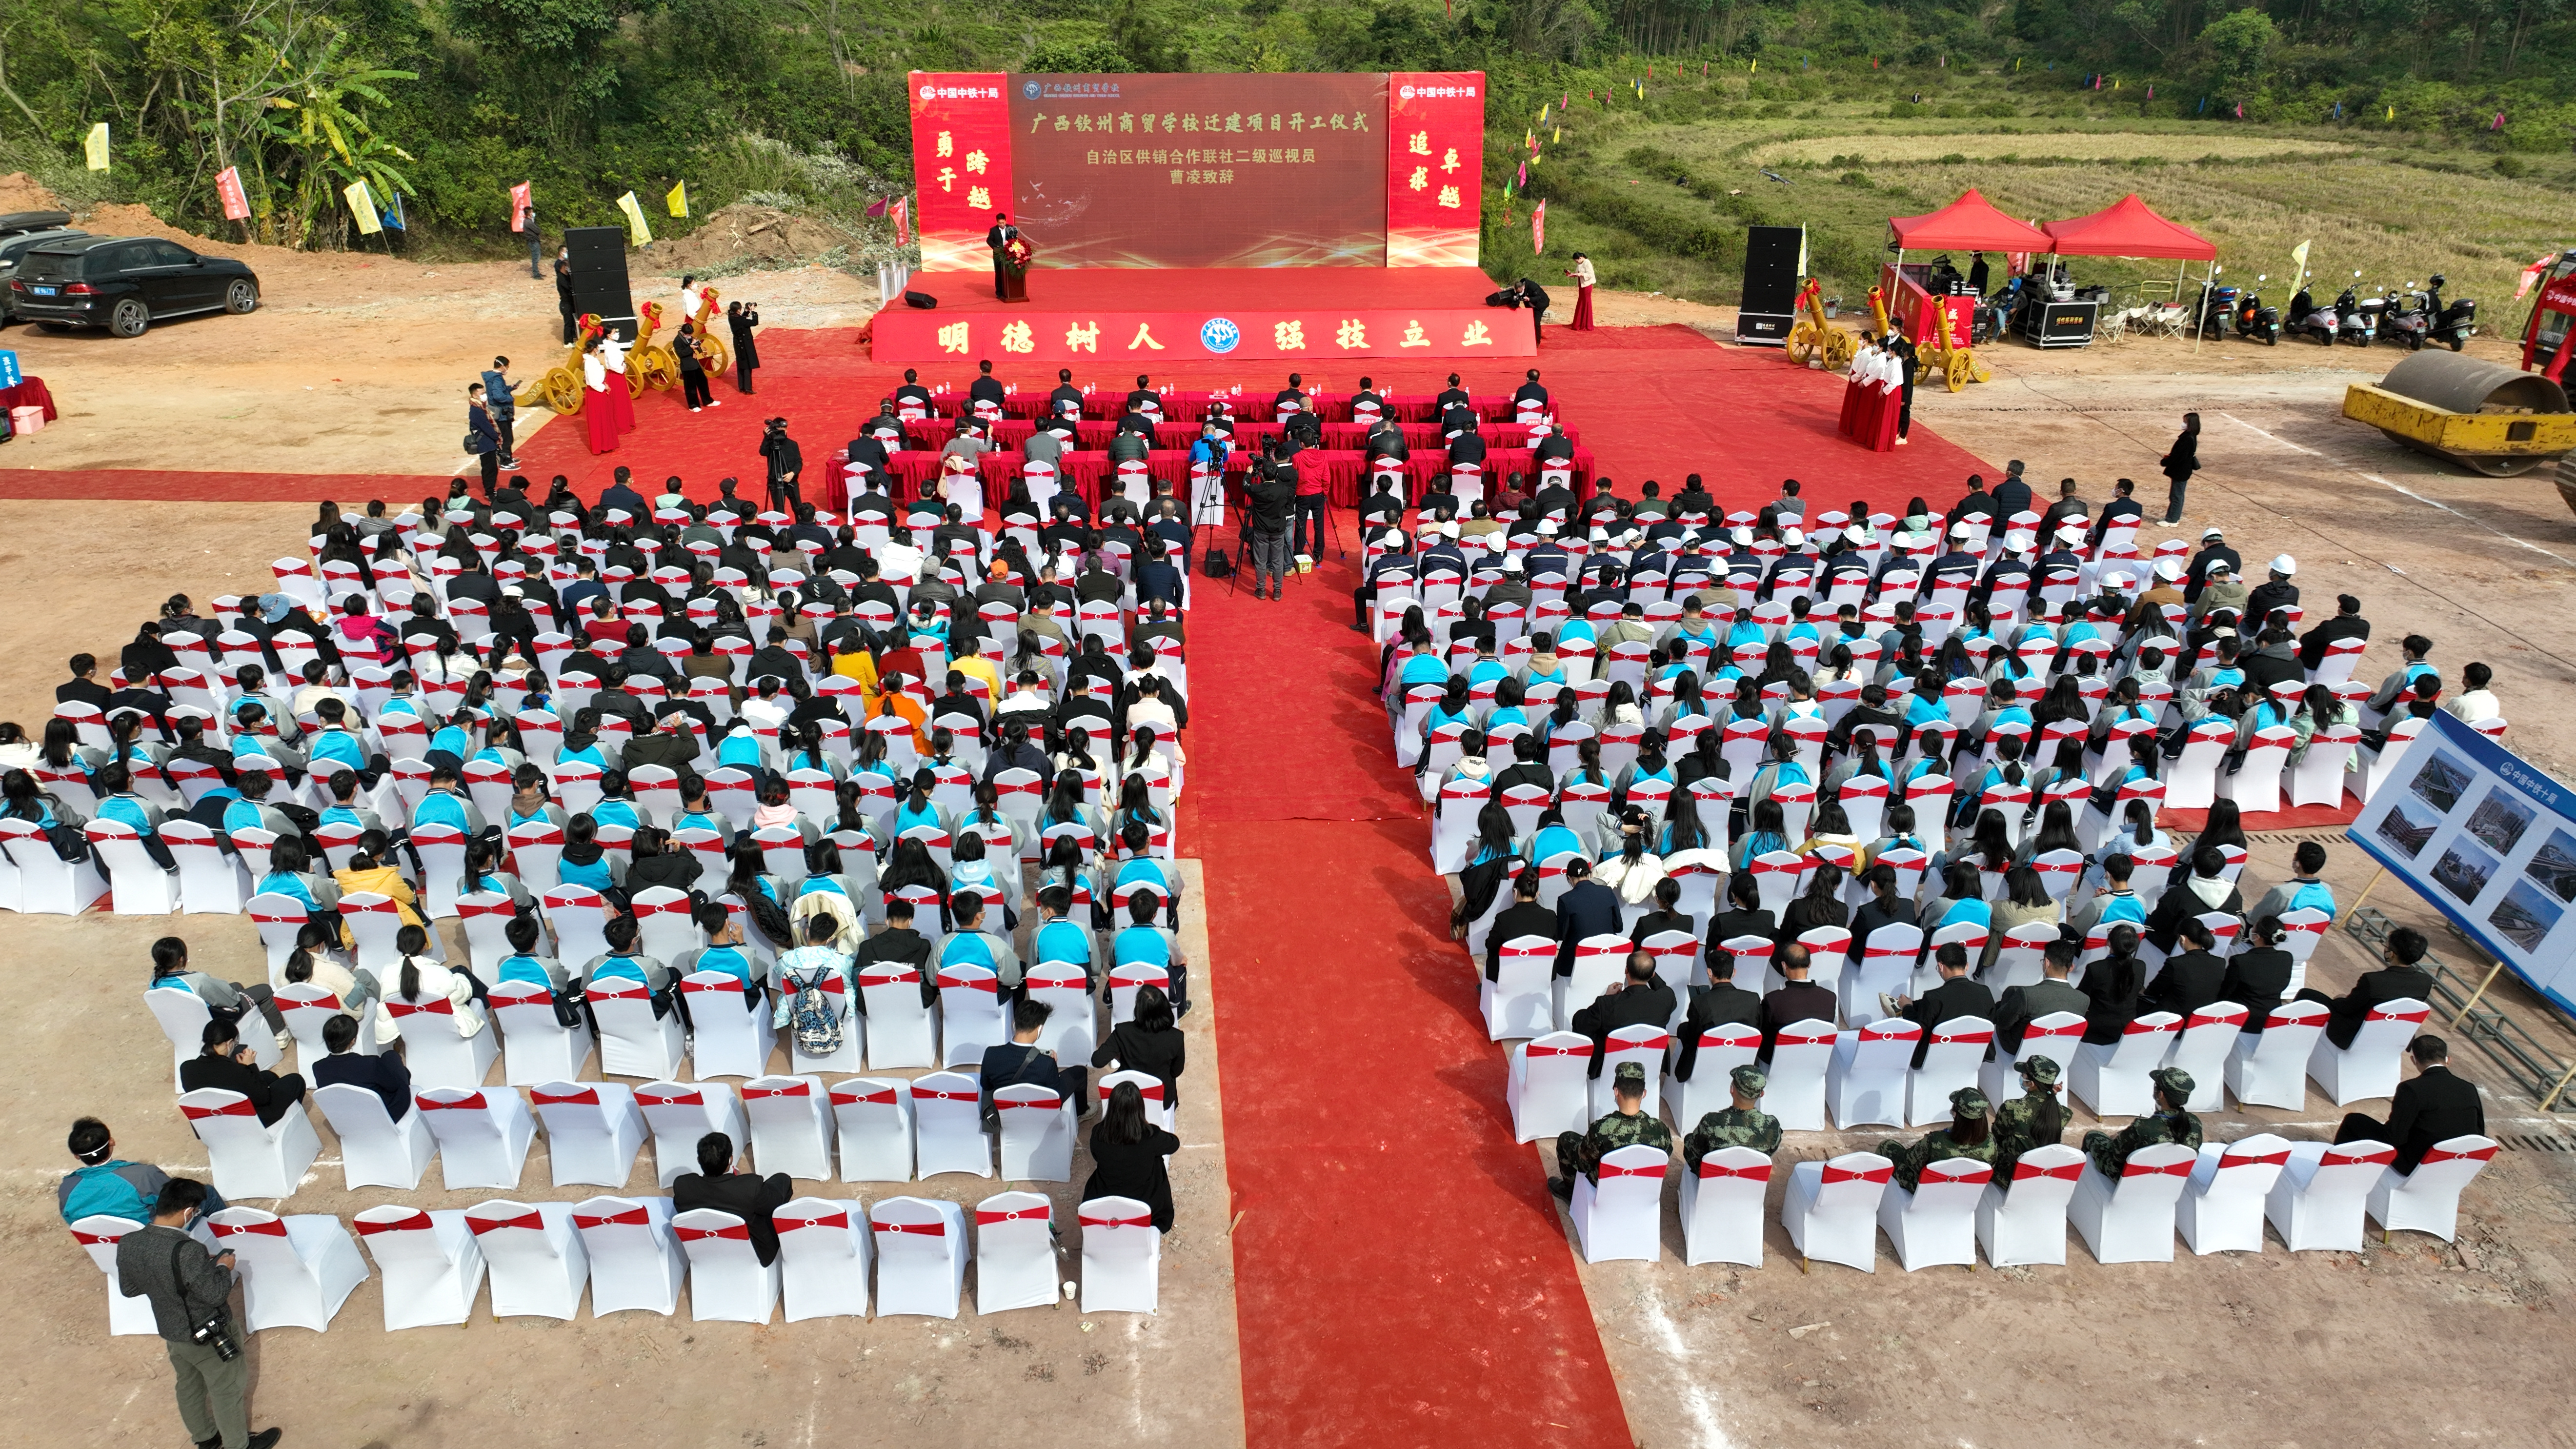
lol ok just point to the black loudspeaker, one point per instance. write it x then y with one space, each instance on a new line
922 300
599 276
1770 284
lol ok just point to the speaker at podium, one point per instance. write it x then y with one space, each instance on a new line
1772 255
599 285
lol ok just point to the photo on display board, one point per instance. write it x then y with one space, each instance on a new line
2408 831
2554 866
2499 821
2441 782
2526 915
2464 870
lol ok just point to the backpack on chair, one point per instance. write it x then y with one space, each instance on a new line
817 1025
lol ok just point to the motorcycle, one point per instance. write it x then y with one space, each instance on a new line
2217 309
2409 316
2321 322
2359 320
2453 325
2256 322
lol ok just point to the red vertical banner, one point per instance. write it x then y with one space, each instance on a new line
961 165
520 206
1538 229
1435 167
228 186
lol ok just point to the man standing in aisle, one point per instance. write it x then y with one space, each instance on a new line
189 1288
498 396
786 461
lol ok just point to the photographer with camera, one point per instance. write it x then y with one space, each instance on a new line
785 460
191 1294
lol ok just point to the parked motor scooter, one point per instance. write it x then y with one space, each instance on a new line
2453 325
2408 317
2321 322
2256 322
2359 321
2217 309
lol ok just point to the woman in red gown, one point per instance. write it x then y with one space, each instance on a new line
598 411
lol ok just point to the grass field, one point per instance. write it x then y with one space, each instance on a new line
1660 198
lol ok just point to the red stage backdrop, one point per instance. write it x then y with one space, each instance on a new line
1435 138
1202 171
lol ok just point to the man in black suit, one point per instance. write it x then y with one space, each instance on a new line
1292 396
2122 509
2346 624
1021 1062
716 1185
2022 1005
2398 978
2430 1108
1010 282
1144 393
621 495
1453 393
2191 978
1720 1003
1523 917
1530 391
1955 997
1797 1000
383 1074
1467 447
1642 1000
1065 392
1588 908
2011 495
226 1063
1386 441
83 687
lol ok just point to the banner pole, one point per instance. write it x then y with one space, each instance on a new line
2467 1006
2558 1091
2365 893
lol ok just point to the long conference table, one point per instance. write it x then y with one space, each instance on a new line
1086 471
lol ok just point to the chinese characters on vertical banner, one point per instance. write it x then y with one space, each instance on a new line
961 164
1435 167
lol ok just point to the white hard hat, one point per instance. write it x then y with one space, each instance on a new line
2285 565
2168 568
1793 538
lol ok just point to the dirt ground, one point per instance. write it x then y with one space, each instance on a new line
1704 1356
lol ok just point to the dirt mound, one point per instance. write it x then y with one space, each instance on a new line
743 233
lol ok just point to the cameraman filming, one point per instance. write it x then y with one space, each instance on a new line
786 460
191 1294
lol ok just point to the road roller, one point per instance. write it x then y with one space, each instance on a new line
2487 417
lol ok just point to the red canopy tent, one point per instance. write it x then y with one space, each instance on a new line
2129 227
1970 224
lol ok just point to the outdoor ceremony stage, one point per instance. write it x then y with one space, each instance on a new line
1342 318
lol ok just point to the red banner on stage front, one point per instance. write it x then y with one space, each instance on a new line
1058 335
1435 167
961 157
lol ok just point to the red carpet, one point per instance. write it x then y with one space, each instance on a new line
1209 289
2304 819
1400 1275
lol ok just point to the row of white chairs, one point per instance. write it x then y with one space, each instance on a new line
1866 1076
632 1253
880 1129
2218 1198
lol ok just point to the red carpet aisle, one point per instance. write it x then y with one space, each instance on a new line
1401 1279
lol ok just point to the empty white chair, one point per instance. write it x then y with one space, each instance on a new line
1832 1209
211 879
872 1122
2269 1069
375 1150
1519 1002
1937 1222
727 1280
593 1131
823 1252
1952 1060
1122 1256
921 1256
635 1263
1621 1215
139 885
2317 1202
535 1047
2427 1200
682 1112
2221 1209
97 1235
2202 1047
532 1256
1722 1205
483 1135
1015 1265
2368 1068
431 1265
1865 1081
249 1159
970 1012
790 1130
2112 1080
948 1126
901 1031
1037 1133
2131 1219
1800 1058
296 1271
633 1041
2022 1221
730 1033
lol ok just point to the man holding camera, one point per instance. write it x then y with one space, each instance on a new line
191 1294
786 461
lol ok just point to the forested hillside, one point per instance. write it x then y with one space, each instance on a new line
449 102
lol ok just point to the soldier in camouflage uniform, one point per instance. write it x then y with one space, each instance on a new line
2168 1123
1968 1135
2036 1118
1742 1125
1627 1127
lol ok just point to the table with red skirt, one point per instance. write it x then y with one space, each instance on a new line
1086 472
28 393
1012 433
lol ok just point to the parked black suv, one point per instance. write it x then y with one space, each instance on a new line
20 231
125 284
